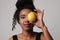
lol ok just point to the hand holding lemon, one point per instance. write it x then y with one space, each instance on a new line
32 17
40 23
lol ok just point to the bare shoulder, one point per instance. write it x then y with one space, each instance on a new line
11 38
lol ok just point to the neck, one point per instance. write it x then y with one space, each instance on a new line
27 33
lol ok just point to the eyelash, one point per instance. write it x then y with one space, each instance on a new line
22 17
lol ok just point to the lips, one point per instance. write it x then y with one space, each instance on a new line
26 24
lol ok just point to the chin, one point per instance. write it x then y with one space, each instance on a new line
27 28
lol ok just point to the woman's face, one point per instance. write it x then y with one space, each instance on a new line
24 21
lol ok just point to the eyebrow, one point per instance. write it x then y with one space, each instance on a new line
22 15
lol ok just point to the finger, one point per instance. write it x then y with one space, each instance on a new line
36 14
35 10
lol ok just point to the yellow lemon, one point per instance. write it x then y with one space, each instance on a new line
32 17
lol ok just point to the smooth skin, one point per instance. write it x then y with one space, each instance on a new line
27 28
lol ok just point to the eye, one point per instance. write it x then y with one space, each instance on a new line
22 17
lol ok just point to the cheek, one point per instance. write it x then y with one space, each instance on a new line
20 21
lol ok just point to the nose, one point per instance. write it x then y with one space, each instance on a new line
26 20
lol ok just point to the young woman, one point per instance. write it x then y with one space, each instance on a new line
20 16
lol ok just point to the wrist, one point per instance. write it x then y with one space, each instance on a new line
44 28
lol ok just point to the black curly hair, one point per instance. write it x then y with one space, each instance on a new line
21 4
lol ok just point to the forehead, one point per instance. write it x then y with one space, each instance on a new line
24 11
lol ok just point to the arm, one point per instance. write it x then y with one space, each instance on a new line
46 35
40 24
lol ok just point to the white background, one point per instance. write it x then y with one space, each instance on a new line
51 17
